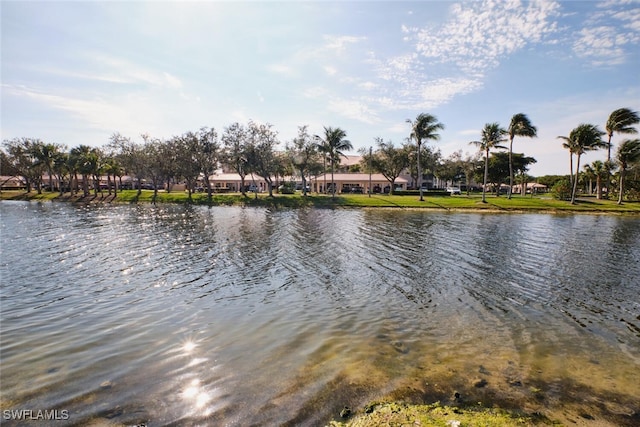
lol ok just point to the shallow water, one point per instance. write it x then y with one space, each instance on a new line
179 315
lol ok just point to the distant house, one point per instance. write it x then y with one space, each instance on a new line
355 183
531 187
12 183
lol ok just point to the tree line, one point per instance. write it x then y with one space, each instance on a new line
253 148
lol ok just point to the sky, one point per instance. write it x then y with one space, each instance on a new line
76 72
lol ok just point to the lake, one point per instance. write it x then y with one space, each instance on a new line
180 315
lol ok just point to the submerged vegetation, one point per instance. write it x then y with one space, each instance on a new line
392 414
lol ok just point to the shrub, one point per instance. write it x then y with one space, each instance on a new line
561 190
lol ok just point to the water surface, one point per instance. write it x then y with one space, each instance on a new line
178 315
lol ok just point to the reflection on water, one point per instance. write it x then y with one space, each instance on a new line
180 315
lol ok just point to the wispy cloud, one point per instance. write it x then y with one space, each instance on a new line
475 38
354 110
480 34
339 44
119 70
610 35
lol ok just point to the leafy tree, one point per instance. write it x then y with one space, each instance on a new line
520 125
469 165
188 160
155 155
388 160
584 138
520 166
303 154
429 159
423 128
208 155
236 144
550 180
450 169
628 156
501 165
22 157
492 136
132 157
335 143
261 156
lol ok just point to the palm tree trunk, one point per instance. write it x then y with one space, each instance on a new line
420 174
510 168
486 176
621 185
570 169
575 182
608 162
333 184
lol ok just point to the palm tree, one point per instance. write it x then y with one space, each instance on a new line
597 169
620 121
424 127
628 154
492 136
520 126
585 137
335 142
569 145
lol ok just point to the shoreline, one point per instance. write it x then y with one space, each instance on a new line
453 204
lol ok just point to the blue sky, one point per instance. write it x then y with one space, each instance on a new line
76 72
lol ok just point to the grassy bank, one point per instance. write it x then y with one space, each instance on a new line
451 203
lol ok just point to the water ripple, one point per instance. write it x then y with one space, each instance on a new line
179 315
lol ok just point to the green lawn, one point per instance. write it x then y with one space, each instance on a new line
453 203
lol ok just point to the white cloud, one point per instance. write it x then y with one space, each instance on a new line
330 70
480 34
353 109
339 43
281 69
105 114
314 92
610 35
129 72
367 85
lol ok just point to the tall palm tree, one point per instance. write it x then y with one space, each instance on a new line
520 126
424 128
628 154
585 137
323 149
568 144
620 121
334 139
492 136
